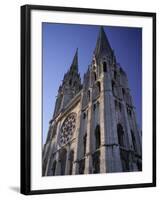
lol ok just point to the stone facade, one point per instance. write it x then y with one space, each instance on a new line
93 129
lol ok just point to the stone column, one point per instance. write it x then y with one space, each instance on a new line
67 160
102 131
77 146
88 158
49 154
58 165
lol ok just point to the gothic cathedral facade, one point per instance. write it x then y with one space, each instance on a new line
94 127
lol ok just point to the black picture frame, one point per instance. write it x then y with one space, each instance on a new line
26 98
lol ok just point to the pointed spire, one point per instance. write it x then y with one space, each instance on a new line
71 83
74 64
72 74
102 45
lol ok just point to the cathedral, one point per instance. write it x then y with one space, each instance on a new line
93 128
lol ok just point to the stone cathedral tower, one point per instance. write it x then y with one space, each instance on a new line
93 129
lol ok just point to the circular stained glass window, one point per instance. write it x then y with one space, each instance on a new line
67 129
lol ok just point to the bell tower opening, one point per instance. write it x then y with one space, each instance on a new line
104 67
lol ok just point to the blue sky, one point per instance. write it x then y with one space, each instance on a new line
60 42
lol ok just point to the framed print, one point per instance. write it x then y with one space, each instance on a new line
88 99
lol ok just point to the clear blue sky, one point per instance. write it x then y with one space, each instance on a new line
59 45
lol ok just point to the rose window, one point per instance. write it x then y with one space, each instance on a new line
67 129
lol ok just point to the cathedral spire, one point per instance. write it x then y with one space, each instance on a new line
73 70
71 84
102 45
74 65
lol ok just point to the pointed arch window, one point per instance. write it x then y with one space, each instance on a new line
104 67
54 167
115 75
125 160
96 162
113 87
123 92
116 104
70 82
71 158
63 155
133 140
97 137
120 133
81 166
84 115
120 106
75 83
129 112
89 95
84 143
94 106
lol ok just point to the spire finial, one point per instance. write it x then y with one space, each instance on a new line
74 64
102 45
